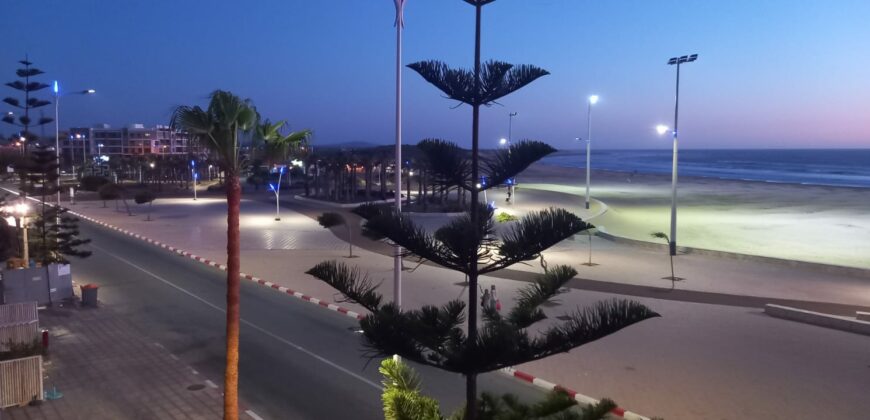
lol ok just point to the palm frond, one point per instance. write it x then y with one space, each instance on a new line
592 323
353 285
497 79
500 79
400 230
457 237
509 163
446 161
534 233
457 84
527 309
660 235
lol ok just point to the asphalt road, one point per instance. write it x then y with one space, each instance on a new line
297 360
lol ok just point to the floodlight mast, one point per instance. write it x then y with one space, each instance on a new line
673 238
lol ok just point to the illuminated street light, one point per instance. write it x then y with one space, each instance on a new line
502 142
593 99
676 61
193 177
57 96
662 129
22 209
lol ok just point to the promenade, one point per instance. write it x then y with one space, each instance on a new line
699 360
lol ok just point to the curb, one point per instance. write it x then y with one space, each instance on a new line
853 325
582 399
222 267
538 382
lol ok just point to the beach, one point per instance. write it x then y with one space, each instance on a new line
818 224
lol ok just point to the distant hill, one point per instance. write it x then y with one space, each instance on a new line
347 145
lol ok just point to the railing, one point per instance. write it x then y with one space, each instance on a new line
17 313
20 381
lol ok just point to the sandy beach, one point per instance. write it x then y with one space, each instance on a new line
821 224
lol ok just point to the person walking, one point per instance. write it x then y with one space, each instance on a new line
485 300
496 304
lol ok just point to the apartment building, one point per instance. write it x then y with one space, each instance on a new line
80 144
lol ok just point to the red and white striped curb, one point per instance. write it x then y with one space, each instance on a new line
540 383
257 280
582 399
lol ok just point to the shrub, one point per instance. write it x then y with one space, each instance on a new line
20 350
504 218
143 197
93 182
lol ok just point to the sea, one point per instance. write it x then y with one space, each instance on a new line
831 167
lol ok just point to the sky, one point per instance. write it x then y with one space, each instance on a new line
770 74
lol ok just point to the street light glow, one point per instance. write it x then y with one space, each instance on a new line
593 99
55 87
22 208
662 129
502 142
90 91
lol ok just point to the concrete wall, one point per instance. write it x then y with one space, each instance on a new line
817 318
40 284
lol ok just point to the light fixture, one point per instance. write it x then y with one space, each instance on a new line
662 129
593 99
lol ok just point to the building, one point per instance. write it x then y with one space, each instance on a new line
78 145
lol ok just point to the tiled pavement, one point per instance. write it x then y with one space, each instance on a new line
106 370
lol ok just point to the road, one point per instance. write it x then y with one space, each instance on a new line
297 360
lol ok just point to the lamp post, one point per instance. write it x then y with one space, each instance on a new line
397 258
277 191
593 99
676 61
22 209
57 96
511 190
193 177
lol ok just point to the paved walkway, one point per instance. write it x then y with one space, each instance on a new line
106 370
697 361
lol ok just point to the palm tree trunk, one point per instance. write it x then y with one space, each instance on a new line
231 373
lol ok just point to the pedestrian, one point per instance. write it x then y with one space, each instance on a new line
496 304
485 300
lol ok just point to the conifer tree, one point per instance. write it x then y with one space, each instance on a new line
433 335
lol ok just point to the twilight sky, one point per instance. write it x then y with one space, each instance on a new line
773 73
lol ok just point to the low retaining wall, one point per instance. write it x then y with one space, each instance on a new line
862 316
818 318
20 381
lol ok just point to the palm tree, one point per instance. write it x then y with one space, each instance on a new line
220 128
673 278
330 220
275 146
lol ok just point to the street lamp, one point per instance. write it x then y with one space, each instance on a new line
22 209
502 142
193 177
100 149
277 190
511 190
676 61
57 96
593 99
397 258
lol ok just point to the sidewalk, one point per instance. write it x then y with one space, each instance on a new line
105 370
697 361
